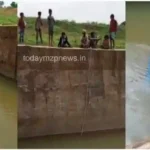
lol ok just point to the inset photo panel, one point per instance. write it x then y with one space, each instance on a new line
71 74
138 75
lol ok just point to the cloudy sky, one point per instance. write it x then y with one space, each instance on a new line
77 10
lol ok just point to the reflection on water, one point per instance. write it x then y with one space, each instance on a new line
112 139
8 111
137 92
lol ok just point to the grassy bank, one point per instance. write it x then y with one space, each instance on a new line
73 30
8 16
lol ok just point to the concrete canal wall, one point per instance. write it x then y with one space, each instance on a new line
8 44
69 96
84 90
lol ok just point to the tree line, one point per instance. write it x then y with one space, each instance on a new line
12 4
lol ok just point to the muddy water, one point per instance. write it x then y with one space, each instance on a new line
112 139
137 93
138 22
8 113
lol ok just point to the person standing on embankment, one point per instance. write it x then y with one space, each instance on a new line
51 22
112 30
21 25
38 28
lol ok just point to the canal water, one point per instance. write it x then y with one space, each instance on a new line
137 72
8 113
112 139
137 93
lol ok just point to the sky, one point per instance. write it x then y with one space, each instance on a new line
77 10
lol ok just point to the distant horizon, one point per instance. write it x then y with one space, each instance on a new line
74 20
78 11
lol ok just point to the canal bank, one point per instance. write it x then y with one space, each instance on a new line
65 97
8 48
62 88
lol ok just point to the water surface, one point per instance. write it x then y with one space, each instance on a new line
137 72
99 139
138 22
8 113
137 93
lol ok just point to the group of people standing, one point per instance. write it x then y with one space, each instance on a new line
38 27
87 41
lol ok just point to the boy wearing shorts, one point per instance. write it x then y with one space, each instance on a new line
51 22
112 30
21 26
38 27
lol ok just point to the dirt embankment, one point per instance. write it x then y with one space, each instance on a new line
8 11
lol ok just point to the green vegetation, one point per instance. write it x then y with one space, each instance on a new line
73 31
14 5
1 3
8 16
